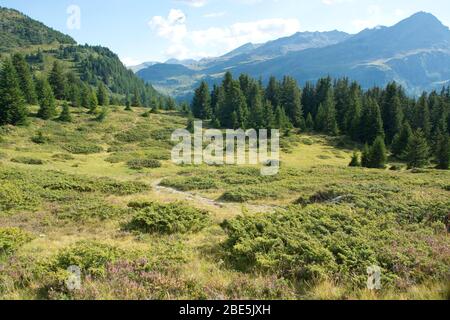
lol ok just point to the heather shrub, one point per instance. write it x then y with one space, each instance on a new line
167 218
12 239
138 164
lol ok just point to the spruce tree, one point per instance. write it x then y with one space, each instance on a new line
102 95
355 162
93 103
65 115
57 81
417 152
136 101
309 123
392 112
273 92
421 115
268 116
201 103
12 103
47 101
371 125
443 151
365 156
25 78
291 101
378 154
401 140
330 124
256 108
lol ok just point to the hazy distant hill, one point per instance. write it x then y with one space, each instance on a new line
415 52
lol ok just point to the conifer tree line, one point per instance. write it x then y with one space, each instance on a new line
20 87
415 130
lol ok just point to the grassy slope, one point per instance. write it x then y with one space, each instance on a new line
61 217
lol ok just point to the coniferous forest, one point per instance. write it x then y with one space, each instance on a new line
381 119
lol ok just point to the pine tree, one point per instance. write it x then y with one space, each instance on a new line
65 115
25 78
85 96
93 103
171 104
136 101
102 95
392 112
401 140
330 125
365 157
355 162
320 119
443 151
291 101
47 101
256 108
371 125
201 103
421 115
268 116
378 154
57 81
352 118
309 123
12 103
273 92
417 152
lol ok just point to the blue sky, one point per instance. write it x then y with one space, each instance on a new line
156 30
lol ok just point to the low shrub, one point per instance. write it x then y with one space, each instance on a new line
27 160
14 197
83 148
138 164
40 138
244 194
168 218
90 256
12 239
191 183
334 243
62 157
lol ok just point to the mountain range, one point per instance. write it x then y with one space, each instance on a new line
414 52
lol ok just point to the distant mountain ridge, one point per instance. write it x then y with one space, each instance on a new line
414 52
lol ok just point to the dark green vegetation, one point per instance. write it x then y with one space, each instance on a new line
415 130
167 219
86 76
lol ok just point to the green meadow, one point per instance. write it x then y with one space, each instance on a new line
104 196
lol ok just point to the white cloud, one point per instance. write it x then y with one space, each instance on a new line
129 62
214 14
217 40
194 3
173 27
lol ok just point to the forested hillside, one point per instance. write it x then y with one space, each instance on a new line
18 30
81 67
